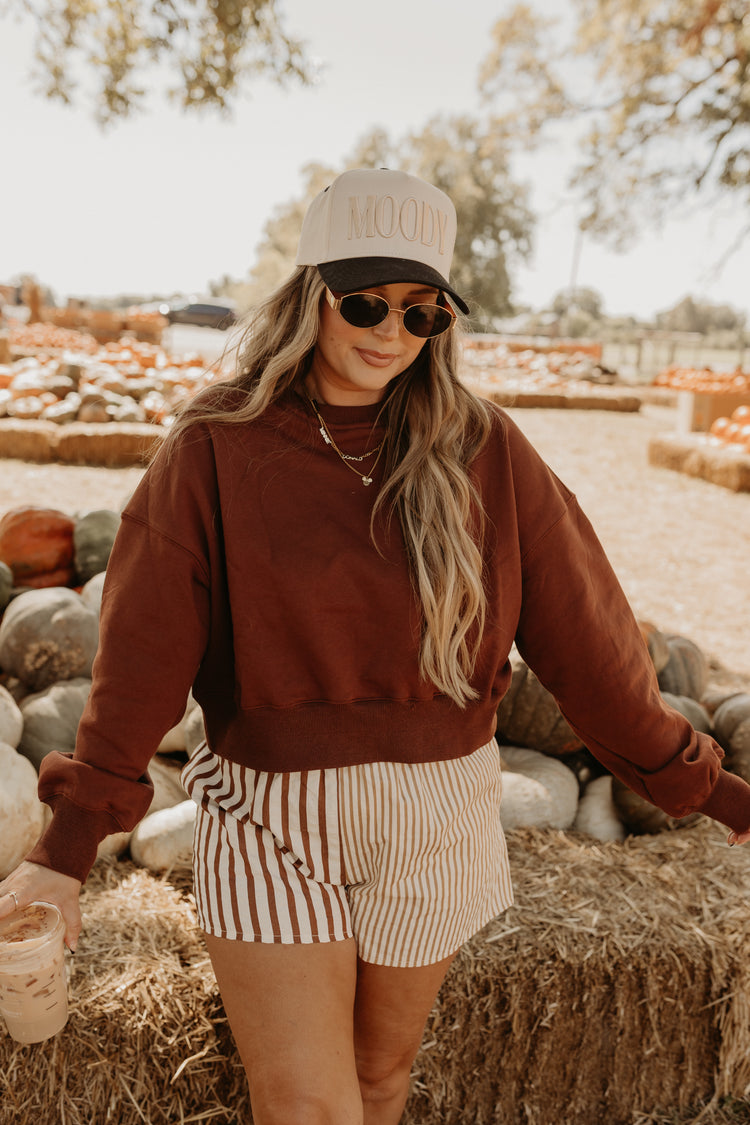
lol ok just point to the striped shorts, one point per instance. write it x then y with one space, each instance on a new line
409 859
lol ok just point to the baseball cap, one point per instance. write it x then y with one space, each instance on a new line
374 226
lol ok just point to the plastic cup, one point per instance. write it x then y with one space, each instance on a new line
33 985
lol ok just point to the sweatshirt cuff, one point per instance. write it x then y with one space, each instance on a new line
70 842
729 802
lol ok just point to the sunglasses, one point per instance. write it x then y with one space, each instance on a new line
365 310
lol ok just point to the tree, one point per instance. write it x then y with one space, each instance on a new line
660 85
210 47
467 162
582 299
691 315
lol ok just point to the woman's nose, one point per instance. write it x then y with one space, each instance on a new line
390 327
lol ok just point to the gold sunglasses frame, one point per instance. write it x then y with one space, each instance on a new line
335 303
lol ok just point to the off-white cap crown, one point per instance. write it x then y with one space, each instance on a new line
377 226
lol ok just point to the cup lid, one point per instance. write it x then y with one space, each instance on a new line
29 928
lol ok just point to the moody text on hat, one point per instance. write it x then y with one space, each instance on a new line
382 216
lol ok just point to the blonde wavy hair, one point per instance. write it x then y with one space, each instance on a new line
435 429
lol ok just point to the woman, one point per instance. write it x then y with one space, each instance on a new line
337 551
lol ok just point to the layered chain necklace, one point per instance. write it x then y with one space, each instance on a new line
348 457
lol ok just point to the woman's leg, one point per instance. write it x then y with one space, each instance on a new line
290 1008
390 1011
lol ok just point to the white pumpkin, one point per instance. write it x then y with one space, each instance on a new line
194 728
168 791
597 813
538 791
11 719
91 592
22 814
164 839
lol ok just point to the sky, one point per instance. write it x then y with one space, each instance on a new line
167 202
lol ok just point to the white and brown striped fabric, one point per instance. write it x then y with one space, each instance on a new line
410 859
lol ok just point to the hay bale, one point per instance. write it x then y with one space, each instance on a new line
109 444
696 456
28 441
617 986
146 1040
603 398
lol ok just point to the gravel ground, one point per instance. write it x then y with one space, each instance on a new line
680 546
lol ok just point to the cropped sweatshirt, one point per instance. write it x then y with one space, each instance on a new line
244 568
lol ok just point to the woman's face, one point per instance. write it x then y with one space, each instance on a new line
353 366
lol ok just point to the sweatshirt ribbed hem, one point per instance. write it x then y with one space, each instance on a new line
324 735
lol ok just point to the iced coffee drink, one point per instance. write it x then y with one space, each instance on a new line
33 988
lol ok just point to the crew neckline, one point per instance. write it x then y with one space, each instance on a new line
343 415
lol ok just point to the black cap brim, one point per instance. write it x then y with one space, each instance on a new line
347 275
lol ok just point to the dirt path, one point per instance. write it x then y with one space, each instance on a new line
680 546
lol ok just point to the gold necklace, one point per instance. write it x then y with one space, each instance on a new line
347 457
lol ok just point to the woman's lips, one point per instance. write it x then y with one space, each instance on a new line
375 359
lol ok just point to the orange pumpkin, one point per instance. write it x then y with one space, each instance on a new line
37 545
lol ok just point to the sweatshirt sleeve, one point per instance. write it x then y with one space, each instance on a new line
153 630
578 634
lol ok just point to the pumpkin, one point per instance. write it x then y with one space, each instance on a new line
48 635
695 713
732 732
529 716
538 790
656 642
91 592
22 814
194 728
164 840
168 791
640 817
51 718
37 545
597 813
6 584
11 719
93 536
686 671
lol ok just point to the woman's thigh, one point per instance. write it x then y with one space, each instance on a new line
290 1008
391 1008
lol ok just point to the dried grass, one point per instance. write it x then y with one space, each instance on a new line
616 990
146 1042
618 985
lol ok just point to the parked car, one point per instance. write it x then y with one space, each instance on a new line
206 313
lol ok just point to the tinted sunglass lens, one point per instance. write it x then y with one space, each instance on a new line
427 320
364 310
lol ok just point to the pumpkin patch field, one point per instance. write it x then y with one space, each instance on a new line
617 987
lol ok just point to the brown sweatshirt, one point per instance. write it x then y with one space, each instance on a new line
244 568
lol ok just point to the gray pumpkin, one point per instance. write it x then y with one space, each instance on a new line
6 584
686 671
51 718
93 536
732 731
695 713
48 635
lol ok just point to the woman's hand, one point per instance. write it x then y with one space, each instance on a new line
738 837
32 883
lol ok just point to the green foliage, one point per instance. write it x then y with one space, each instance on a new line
468 163
209 47
660 85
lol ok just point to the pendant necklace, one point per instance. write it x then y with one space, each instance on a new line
347 457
